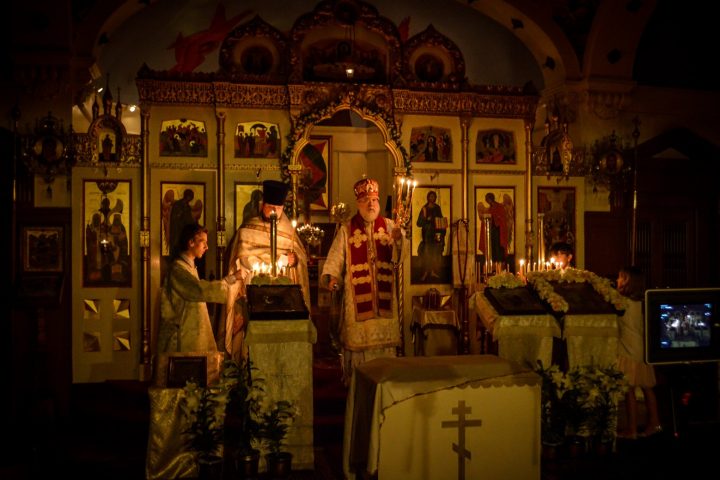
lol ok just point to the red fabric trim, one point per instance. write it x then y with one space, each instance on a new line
373 306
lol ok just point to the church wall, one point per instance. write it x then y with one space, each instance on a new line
356 151
96 359
245 170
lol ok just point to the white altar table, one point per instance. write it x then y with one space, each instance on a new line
591 339
443 417
521 338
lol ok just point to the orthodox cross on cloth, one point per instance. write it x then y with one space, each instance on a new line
461 410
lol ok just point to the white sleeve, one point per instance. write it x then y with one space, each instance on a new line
335 262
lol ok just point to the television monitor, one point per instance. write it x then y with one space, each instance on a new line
682 325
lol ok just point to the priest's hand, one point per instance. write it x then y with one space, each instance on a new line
230 279
332 283
396 234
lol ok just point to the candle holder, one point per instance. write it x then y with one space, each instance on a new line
340 213
312 236
403 201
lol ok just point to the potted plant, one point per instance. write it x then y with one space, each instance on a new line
242 424
204 408
608 386
552 416
275 423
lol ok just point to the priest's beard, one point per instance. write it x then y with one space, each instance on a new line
369 215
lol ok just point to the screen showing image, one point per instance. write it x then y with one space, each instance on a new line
685 325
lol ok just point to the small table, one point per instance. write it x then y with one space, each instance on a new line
424 319
465 416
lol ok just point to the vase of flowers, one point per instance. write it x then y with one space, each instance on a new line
580 404
608 386
204 408
553 421
275 423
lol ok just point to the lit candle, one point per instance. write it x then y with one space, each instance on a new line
522 267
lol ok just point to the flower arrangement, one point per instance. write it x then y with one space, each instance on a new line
368 103
580 402
540 281
204 407
553 422
607 386
505 280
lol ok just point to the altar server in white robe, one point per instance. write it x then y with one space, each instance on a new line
360 261
184 319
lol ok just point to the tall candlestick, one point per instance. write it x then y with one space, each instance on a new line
273 243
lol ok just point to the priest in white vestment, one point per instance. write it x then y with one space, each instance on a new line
250 246
360 261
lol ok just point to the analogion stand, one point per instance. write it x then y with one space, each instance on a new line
281 350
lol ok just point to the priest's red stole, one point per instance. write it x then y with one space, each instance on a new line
372 274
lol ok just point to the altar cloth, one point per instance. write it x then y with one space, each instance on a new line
525 339
399 408
438 320
591 339
281 351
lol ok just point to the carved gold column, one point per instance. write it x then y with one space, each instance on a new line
462 290
295 169
146 353
528 193
220 189
398 173
464 127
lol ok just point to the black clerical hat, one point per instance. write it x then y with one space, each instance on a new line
274 192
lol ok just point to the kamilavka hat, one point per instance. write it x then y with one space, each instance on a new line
274 192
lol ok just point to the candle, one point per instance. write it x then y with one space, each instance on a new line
522 267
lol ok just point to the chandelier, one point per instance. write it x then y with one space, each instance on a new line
312 235
610 169
50 151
